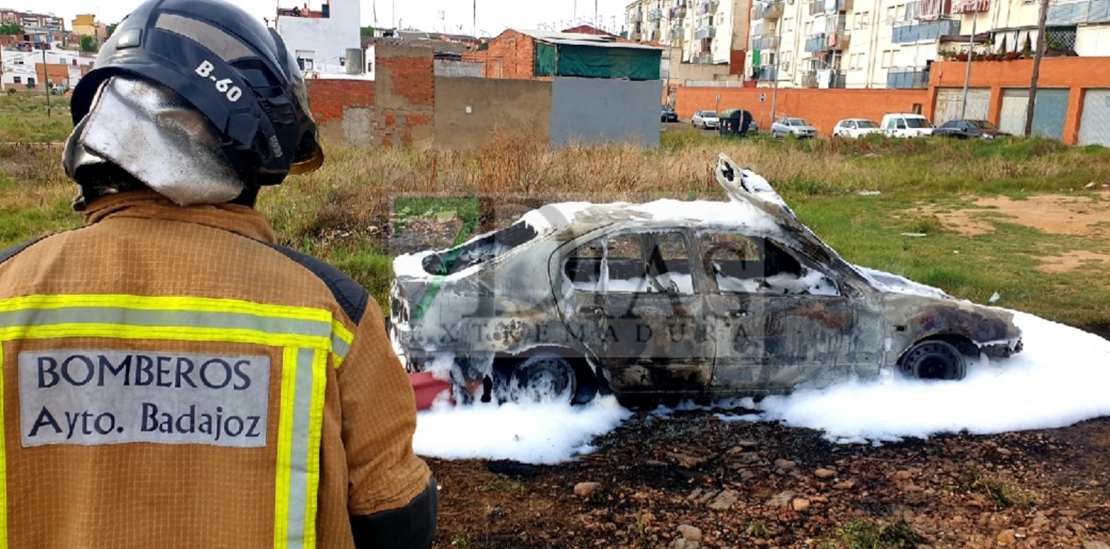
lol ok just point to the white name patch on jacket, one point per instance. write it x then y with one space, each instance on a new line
89 398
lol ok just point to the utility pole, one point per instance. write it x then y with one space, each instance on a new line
474 29
1042 20
46 82
970 50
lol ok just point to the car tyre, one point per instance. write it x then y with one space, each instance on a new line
935 359
549 377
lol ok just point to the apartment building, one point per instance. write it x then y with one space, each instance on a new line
32 22
704 33
892 43
321 39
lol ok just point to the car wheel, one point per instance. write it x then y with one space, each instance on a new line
544 377
935 360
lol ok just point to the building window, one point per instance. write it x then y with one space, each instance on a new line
789 24
305 60
886 59
17 80
890 15
809 28
864 20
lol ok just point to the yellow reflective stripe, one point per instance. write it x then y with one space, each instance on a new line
174 303
176 333
315 434
340 342
284 449
3 463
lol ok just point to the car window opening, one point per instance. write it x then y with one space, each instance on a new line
632 263
477 252
756 265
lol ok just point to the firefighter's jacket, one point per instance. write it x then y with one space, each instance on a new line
173 378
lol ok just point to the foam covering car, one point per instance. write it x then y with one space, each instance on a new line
673 299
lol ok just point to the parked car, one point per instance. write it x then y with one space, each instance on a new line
855 128
706 120
668 115
906 125
963 129
797 127
673 299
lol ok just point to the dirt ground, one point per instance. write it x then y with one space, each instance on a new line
693 480
1052 214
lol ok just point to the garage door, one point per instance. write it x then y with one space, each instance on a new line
950 104
1048 115
1014 104
1094 126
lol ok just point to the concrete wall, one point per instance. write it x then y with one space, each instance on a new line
342 109
467 110
1074 73
457 69
404 94
597 110
328 38
823 108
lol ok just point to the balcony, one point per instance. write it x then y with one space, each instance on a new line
656 15
820 7
769 43
767 31
705 32
836 23
907 78
824 79
768 73
916 32
703 58
678 13
1077 13
827 41
767 10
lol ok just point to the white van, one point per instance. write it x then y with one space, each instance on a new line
906 125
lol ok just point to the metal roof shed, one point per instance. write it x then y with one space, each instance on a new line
591 56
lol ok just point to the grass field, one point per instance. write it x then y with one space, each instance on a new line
337 213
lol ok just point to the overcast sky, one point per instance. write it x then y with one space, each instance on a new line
493 16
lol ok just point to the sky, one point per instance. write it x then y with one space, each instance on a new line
456 16
1059 379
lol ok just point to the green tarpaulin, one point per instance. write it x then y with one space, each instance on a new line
545 59
597 62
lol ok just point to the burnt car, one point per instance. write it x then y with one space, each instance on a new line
673 299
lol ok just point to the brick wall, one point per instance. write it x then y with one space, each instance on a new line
333 100
510 55
822 108
329 97
404 92
1075 73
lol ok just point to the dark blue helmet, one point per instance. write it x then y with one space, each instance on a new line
231 68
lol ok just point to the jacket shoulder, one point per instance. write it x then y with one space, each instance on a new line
350 295
9 253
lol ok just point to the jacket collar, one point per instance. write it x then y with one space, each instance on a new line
145 204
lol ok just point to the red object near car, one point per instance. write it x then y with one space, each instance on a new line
428 389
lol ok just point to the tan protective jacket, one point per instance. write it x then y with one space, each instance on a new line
173 379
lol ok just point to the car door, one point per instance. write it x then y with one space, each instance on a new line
780 321
638 309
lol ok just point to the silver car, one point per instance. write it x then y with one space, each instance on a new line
797 127
673 299
708 120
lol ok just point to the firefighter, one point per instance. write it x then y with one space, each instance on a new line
172 377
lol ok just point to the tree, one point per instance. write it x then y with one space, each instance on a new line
111 28
9 29
88 44
368 31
